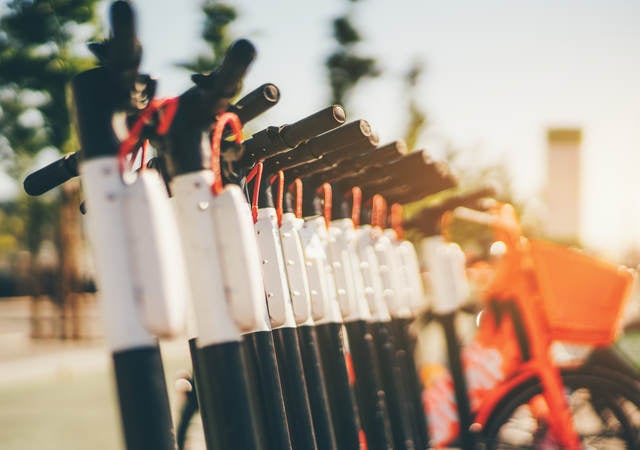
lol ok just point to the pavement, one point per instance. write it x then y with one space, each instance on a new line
23 358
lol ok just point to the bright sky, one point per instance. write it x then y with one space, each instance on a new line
498 73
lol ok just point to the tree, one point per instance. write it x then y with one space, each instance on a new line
215 33
417 121
346 66
38 58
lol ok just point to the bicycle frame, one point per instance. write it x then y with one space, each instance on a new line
514 282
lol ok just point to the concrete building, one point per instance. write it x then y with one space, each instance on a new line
563 184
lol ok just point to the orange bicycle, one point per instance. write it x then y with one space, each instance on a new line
541 293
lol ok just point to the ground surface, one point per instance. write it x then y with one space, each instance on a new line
60 395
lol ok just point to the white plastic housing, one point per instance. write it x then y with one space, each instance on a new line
411 269
347 239
274 273
445 263
193 198
295 267
240 256
107 229
338 254
369 268
159 279
324 304
393 283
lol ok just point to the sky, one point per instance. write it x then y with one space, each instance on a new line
498 73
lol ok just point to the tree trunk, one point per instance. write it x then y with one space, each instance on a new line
71 249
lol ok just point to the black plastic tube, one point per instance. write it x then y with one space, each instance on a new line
143 398
199 386
294 388
372 401
226 397
340 386
263 368
454 357
316 388
405 344
394 387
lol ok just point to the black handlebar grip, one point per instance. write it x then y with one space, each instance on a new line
403 193
361 144
52 175
409 168
316 147
125 52
427 219
228 76
256 102
338 162
388 152
274 140
313 125
122 21
371 160
122 52
415 167
470 198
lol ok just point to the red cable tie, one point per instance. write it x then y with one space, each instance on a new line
135 131
296 187
327 194
256 173
356 205
170 106
396 219
216 137
143 154
279 196
378 211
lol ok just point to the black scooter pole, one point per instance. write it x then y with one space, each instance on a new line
369 389
224 395
285 333
98 95
307 337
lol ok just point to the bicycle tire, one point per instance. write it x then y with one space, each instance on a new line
612 402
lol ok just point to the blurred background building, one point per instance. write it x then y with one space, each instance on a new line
563 187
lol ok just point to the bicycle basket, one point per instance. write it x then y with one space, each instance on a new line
582 296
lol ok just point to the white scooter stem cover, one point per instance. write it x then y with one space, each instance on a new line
158 268
338 254
348 239
324 307
411 270
332 308
390 267
373 289
240 258
274 274
106 226
194 201
445 262
295 266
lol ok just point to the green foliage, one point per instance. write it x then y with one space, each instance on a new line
37 61
345 66
417 120
217 18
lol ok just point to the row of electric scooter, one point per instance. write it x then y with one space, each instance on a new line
285 251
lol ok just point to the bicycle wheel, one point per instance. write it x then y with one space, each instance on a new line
606 412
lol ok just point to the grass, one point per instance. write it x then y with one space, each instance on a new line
68 412
79 411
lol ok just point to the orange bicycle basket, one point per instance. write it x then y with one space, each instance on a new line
582 297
